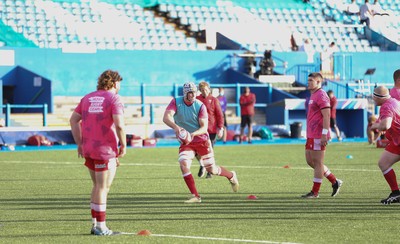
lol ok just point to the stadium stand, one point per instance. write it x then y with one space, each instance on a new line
256 25
177 25
261 19
386 23
51 24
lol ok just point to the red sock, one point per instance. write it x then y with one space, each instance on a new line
190 184
100 216
93 213
390 177
331 177
224 172
317 184
99 212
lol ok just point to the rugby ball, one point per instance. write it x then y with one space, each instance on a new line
184 137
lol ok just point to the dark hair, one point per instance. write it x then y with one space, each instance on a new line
107 80
396 75
267 54
316 75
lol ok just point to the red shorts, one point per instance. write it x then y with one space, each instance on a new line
314 144
392 148
101 165
200 148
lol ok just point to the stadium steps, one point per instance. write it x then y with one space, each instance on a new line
65 105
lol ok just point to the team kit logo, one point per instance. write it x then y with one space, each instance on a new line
96 104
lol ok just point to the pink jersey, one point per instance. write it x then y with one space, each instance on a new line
391 109
395 93
318 100
202 115
99 138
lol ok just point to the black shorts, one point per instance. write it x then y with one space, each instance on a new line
213 138
333 122
225 123
246 120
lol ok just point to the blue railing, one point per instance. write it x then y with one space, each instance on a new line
341 90
8 108
144 105
302 71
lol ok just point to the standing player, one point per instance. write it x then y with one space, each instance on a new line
215 117
389 121
247 101
190 114
395 91
224 103
97 125
318 135
333 122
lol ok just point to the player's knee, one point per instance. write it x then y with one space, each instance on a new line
383 166
209 164
185 161
207 161
213 169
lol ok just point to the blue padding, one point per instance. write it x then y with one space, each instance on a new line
21 137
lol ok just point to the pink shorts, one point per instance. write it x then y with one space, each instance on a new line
314 144
101 165
392 148
200 148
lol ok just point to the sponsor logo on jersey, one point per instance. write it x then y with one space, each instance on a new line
96 104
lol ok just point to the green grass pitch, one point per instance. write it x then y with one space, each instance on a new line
44 198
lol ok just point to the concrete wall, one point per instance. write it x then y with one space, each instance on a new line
75 74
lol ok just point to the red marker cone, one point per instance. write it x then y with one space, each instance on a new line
252 197
144 233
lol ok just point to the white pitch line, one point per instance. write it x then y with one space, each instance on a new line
211 238
175 165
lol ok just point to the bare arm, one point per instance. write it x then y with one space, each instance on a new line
383 125
203 127
326 115
168 119
75 123
120 129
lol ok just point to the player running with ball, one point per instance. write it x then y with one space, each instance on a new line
189 113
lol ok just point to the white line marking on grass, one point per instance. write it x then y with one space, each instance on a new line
42 162
175 165
210 238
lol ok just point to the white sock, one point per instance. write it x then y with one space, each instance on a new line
101 225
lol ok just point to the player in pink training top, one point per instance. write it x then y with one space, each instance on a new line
318 122
97 125
189 113
395 91
389 121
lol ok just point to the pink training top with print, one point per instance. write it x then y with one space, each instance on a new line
395 93
391 109
99 138
318 100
